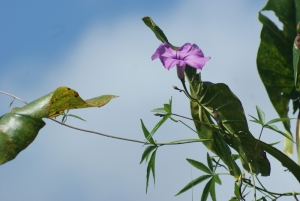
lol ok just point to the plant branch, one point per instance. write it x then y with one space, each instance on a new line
184 141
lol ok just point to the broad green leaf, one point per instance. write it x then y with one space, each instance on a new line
146 133
275 58
209 162
147 152
193 183
199 165
151 167
212 189
285 160
260 114
16 133
217 179
20 127
231 113
206 190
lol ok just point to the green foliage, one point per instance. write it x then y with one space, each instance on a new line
275 58
20 127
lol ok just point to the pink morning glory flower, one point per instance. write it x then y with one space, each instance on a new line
186 54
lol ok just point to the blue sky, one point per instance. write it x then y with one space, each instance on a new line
103 47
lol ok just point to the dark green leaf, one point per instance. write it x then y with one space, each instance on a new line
151 167
206 190
209 162
219 98
193 183
275 59
147 152
146 133
157 31
199 165
260 114
285 160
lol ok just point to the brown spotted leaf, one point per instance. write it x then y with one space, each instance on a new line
20 126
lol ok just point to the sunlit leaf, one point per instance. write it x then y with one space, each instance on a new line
20 127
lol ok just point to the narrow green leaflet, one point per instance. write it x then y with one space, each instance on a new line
209 162
151 168
206 190
212 189
20 127
261 115
199 165
147 152
275 58
156 127
147 134
237 191
217 179
193 183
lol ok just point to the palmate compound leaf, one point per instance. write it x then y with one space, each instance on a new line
218 97
275 58
20 126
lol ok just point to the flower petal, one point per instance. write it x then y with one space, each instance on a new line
170 62
197 62
159 51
